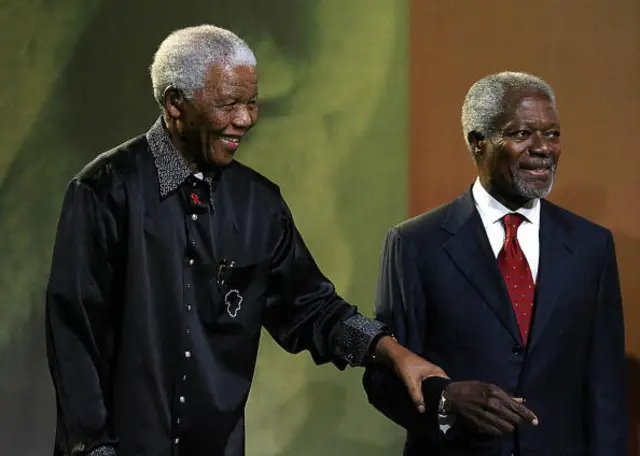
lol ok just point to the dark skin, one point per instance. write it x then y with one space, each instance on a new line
486 408
208 128
515 164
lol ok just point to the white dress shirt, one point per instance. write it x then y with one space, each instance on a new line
491 212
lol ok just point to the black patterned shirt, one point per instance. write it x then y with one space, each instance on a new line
160 285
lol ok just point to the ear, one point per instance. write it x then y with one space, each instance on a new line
174 102
477 142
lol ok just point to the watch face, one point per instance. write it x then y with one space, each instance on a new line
442 405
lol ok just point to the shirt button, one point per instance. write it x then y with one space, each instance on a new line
176 441
178 421
187 354
187 331
194 217
188 307
182 399
191 261
184 379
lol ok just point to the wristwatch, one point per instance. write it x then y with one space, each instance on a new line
443 405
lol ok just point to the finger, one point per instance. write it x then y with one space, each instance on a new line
515 405
525 413
437 373
490 418
505 409
483 425
522 411
415 392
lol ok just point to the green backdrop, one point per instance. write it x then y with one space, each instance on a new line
332 133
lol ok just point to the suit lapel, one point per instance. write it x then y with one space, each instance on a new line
470 250
555 256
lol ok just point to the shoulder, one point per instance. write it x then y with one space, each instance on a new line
414 236
425 223
585 238
580 228
254 185
105 174
116 161
249 175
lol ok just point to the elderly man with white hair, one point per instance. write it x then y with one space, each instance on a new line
170 257
517 299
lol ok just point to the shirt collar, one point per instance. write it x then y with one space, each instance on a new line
173 169
492 211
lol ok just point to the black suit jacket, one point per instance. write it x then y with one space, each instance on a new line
441 291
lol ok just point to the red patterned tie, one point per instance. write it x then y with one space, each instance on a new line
517 274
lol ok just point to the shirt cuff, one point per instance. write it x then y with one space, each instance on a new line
446 422
355 337
103 451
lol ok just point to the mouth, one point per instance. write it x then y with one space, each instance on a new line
542 170
231 143
538 172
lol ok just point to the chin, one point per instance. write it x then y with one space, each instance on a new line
220 159
225 160
529 191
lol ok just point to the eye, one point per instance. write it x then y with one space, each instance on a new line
520 134
553 134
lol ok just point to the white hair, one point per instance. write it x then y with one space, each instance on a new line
185 56
485 101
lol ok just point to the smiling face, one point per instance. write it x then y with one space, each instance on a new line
517 162
211 125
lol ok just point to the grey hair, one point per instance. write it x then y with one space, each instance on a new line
485 101
184 57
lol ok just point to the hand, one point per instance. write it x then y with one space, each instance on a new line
411 368
486 407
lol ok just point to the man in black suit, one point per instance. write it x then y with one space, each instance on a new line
517 299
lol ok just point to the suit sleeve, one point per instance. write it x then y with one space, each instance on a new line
303 310
79 318
400 304
606 389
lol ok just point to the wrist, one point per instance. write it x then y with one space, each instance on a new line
445 407
432 391
387 351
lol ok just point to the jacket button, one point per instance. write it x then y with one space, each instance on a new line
517 350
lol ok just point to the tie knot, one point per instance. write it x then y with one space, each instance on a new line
511 224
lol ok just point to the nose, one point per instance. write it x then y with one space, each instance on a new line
540 144
242 117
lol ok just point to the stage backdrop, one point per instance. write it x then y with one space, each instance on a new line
589 51
332 134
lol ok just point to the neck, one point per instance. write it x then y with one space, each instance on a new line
180 144
507 199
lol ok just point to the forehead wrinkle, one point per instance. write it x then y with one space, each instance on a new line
531 109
